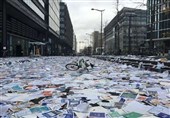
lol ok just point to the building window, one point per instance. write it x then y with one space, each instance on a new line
62 25
62 7
34 8
62 37
54 21
41 2
53 24
62 31
62 13
62 19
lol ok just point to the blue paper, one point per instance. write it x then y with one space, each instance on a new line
51 114
97 115
163 115
68 116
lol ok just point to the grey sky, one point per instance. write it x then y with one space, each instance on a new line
85 20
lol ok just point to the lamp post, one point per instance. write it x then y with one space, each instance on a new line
101 11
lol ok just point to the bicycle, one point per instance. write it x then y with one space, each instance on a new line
73 66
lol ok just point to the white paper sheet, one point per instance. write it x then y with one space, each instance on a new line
135 106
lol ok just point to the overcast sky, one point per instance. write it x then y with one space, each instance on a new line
85 20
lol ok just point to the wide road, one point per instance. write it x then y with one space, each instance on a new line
43 87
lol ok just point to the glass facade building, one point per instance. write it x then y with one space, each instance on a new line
25 21
132 30
66 30
129 35
158 22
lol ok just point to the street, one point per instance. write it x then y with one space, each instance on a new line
42 87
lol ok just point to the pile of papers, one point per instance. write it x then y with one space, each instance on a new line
42 87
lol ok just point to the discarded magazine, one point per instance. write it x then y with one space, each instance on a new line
43 88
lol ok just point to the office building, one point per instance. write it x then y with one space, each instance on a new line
26 25
96 39
158 25
66 30
109 37
126 32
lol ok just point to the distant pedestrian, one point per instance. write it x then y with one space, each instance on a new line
140 66
37 51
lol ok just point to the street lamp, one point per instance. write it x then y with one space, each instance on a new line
101 11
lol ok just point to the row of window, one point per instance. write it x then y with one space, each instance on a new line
165 7
150 2
42 3
62 31
53 12
161 25
166 34
34 8
157 18
61 19
53 15
137 20
53 25
134 23
164 24
55 7
159 34
133 41
55 3
138 37
54 20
